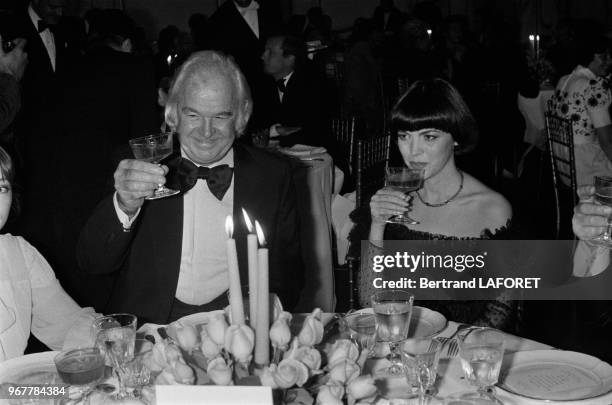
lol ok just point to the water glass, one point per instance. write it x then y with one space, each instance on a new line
603 196
392 310
137 374
81 368
420 357
481 351
115 336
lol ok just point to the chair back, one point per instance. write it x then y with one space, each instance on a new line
370 164
560 139
343 133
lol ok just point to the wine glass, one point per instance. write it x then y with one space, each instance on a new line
392 310
81 368
115 337
406 180
362 330
153 149
481 351
603 196
420 356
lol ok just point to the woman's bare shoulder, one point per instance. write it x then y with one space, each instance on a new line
492 207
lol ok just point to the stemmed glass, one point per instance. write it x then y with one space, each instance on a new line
393 310
481 351
603 196
115 336
421 356
406 180
153 149
362 330
81 368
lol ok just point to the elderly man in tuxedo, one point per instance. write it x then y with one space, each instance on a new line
169 254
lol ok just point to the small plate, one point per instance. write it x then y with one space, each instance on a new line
555 375
36 368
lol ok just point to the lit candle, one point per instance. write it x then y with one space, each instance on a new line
429 33
262 329
235 290
537 48
169 60
532 42
252 256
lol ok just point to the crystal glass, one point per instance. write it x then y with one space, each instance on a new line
603 196
361 328
406 180
137 374
115 337
81 368
153 149
393 310
420 356
481 351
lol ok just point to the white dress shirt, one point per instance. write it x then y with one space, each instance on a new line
46 36
249 14
203 272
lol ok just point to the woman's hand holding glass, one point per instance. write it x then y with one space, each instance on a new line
136 180
590 219
388 202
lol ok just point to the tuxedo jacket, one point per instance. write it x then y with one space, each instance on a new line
302 106
147 259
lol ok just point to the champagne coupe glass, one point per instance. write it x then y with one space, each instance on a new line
393 310
420 356
153 149
406 180
481 351
603 196
81 368
115 337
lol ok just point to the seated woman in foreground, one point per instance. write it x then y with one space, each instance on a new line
433 123
31 298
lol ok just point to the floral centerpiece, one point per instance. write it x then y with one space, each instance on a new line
303 367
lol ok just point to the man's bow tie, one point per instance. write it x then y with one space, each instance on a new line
184 175
43 26
280 84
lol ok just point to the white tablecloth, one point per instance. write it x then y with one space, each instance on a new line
451 378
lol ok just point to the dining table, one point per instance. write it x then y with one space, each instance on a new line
450 377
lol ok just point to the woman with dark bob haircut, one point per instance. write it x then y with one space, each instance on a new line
433 123
31 298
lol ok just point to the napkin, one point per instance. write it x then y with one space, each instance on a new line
300 150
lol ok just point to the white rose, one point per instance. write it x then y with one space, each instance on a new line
280 333
330 394
307 355
209 348
312 330
219 372
341 350
267 377
186 336
216 327
240 341
344 371
361 387
291 372
183 373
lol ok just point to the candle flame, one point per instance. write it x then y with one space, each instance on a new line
247 220
537 37
260 234
229 226
531 37
429 32
169 59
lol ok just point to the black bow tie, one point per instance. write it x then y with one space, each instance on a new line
43 26
184 174
280 84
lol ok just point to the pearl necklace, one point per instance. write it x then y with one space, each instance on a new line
447 201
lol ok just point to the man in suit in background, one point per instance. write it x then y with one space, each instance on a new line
12 66
170 254
240 28
297 113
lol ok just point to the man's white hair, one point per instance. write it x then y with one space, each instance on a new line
204 65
